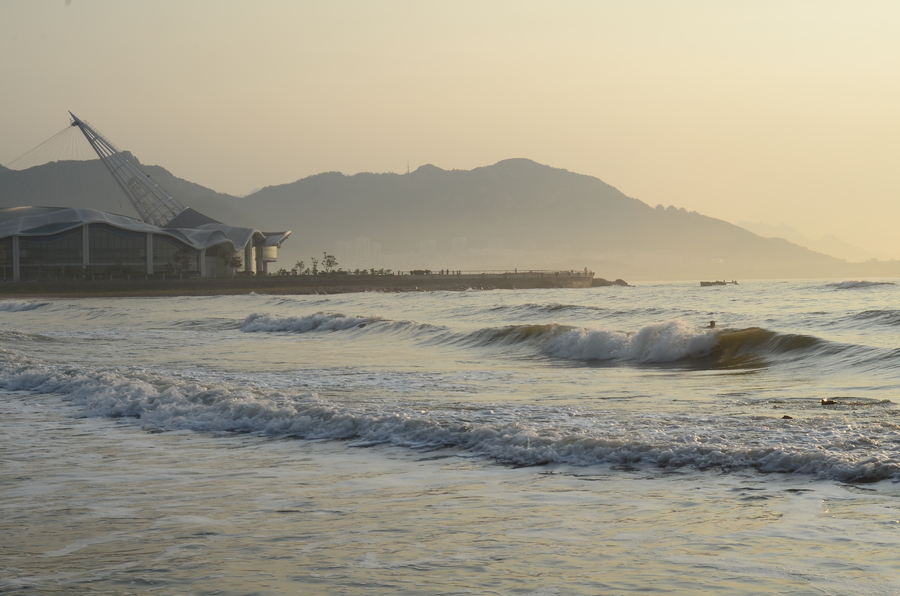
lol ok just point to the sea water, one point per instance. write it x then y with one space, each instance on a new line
578 441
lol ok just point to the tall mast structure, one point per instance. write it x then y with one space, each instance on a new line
150 200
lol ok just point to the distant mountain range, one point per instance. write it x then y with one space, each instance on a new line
827 244
89 184
515 213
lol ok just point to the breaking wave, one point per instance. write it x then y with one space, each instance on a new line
669 341
851 285
663 342
535 436
19 306
674 341
10 336
888 317
317 322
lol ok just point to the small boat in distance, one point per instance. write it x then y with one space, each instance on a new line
703 284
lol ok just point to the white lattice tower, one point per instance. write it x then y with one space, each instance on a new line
150 200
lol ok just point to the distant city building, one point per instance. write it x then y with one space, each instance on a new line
360 249
459 245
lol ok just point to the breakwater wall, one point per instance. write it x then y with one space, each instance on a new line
299 284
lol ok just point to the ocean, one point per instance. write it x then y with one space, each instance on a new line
542 442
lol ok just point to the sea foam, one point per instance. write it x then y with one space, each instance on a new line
19 306
524 436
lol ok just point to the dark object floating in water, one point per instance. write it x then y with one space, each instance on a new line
704 284
828 402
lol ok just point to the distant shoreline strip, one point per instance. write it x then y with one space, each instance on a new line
295 284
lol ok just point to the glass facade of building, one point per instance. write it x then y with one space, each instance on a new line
47 243
6 259
49 257
116 251
173 257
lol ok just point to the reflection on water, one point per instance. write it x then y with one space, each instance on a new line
93 504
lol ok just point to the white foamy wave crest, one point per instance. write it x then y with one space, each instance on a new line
317 322
849 285
159 402
667 341
19 306
14 335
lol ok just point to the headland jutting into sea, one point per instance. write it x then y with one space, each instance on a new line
416 281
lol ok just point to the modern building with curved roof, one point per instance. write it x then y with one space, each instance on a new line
50 242
53 242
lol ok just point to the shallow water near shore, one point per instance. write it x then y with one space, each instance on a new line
535 442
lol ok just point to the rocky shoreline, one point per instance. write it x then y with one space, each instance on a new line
603 283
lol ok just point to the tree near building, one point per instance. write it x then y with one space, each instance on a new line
182 260
328 262
231 260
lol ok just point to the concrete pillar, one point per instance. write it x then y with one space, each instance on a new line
148 248
85 246
249 258
203 263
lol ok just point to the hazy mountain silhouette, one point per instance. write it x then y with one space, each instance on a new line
89 184
827 244
540 215
519 201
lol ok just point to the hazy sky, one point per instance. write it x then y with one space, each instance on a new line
764 111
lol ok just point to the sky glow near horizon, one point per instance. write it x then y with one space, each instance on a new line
771 111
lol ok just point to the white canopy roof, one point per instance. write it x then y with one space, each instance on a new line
43 221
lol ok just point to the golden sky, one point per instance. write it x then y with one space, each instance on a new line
763 111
